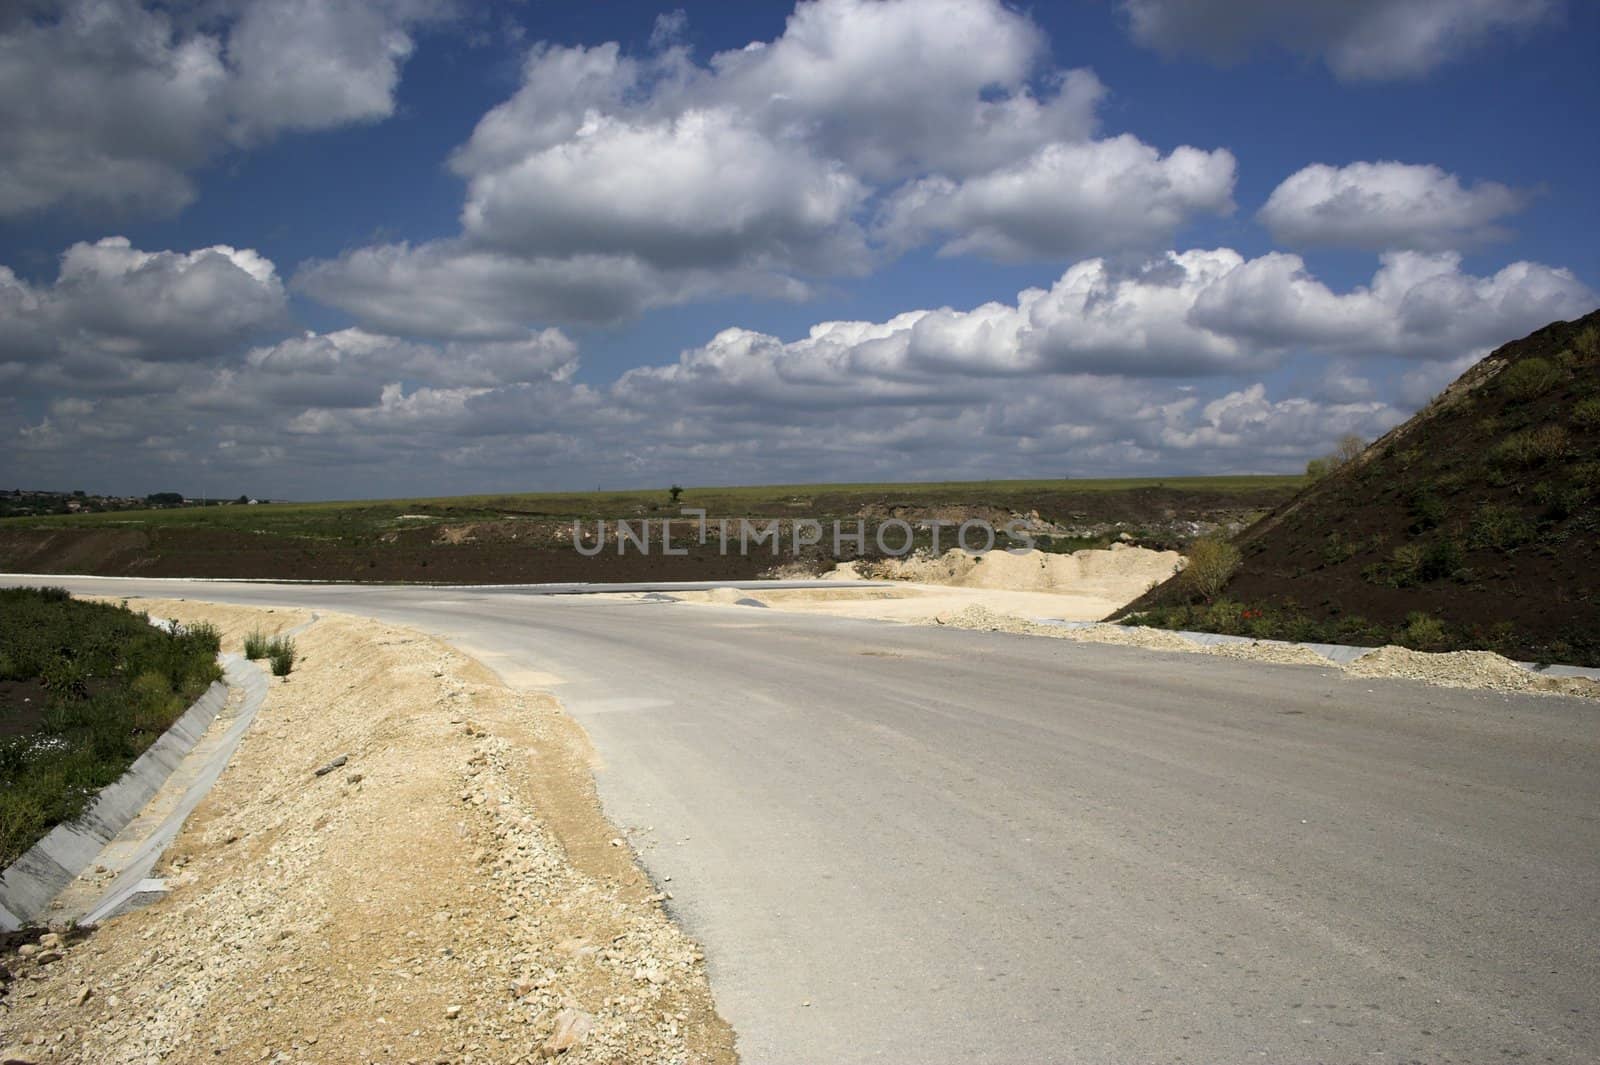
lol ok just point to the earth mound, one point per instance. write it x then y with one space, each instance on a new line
1476 524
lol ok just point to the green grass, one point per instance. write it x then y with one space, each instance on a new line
112 684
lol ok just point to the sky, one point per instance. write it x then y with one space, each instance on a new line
313 250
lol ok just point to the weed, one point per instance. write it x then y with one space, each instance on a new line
1586 413
256 645
1498 528
1427 510
1531 447
1587 343
1530 379
113 683
1423 632
281 652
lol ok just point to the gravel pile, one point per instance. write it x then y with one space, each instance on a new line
1456 669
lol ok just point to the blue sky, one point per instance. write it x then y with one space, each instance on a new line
335 249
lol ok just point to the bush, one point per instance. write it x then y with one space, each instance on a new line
1560 500
1531 447
1212 564
1587 343
1530 379
281 652
1498 528
256 645
1586 415
1423 632
1348 449
1427 510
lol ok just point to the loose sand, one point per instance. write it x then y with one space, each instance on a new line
451 893
1014 593
1084 586
1456 669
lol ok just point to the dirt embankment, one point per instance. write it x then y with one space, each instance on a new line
451 893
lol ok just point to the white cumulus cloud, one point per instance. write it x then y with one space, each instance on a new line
865 128
1386 205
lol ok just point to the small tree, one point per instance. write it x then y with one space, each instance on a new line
674 492
1350 448
1212 563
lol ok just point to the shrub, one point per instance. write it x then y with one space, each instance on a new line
281 652
1348 449
1212 564
1336 549
1498 528
1560 500
1427 510
1587 343
1586 415
1423 632
1532 446
1345 452
256 645
1441 559
1530 379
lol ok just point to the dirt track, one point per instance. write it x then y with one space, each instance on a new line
450 894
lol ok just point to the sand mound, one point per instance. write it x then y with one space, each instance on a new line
1464 669
1120 572
1455 669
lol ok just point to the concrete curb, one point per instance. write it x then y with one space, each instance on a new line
29 885
1338 653
135 852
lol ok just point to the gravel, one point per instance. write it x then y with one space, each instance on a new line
1455 669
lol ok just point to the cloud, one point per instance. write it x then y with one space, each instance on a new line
1066 201
1182 315
1360 40
702 189
1417 306
1159 367
115 315
864 129
108 105
1386 205
452 289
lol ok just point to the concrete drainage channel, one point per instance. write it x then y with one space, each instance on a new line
133 820
1338 653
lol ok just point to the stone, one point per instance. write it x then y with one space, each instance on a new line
331 766
572 1028
452 1012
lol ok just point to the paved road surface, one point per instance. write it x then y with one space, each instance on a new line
971 847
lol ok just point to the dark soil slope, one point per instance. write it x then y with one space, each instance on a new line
1474 524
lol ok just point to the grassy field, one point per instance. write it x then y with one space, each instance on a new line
505 539
359 518
84 689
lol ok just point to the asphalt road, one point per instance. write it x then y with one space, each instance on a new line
918 845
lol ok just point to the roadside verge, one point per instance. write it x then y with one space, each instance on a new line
449 891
